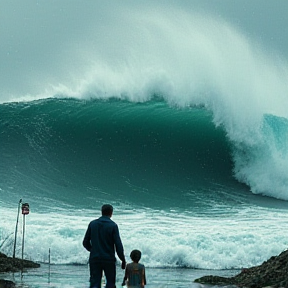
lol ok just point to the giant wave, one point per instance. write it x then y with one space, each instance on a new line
202 62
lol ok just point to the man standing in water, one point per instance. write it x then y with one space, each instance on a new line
101 239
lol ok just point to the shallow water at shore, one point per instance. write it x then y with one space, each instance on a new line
72 276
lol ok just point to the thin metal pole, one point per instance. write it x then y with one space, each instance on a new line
23 240
49 267
14 249
23 236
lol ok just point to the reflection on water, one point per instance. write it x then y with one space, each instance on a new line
72 276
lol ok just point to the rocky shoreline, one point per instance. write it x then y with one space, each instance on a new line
271 273
8 264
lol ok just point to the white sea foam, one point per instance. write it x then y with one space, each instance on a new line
166 239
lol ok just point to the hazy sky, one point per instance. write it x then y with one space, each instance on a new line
36 36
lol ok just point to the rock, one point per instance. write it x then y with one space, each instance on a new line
271 273
8 264
6 284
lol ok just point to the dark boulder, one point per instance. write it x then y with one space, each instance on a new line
271 273
6 284
9 264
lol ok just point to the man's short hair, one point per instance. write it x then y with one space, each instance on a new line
107 210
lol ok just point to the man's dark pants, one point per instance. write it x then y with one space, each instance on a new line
96 272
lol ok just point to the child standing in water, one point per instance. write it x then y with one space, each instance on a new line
135 272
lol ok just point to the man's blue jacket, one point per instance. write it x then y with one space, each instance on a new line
102 238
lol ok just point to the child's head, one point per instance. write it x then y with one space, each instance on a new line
135 255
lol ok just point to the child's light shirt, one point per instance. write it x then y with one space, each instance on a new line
135 275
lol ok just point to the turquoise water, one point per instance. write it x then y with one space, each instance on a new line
167 171
69 276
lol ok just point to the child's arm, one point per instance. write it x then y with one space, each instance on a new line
143 278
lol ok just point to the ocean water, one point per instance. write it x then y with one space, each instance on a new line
182 126
71 276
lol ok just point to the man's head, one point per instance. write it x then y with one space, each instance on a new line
135 256
107 210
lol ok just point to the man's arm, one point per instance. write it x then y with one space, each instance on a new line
119 246
86 241
125 277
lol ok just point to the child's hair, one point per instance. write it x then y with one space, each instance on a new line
135 255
